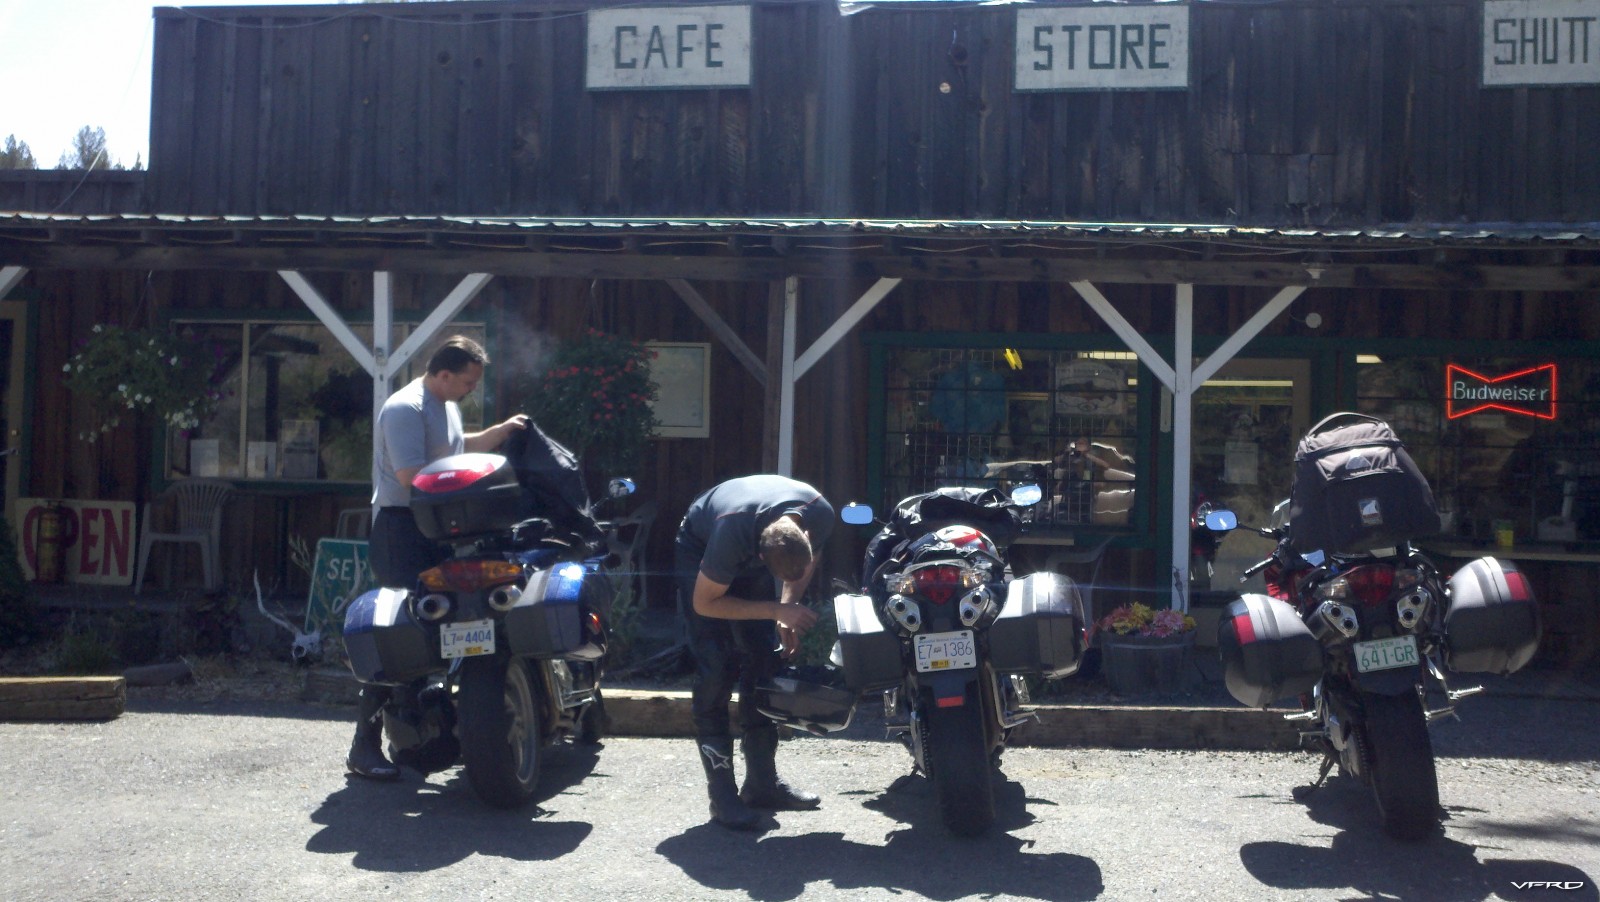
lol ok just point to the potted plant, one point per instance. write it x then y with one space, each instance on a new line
1144 649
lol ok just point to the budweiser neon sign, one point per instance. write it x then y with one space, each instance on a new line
1530 392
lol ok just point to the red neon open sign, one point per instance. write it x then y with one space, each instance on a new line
1530 392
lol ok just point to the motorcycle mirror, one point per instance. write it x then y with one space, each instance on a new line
856 514
620 487
1026 495
1221 521
1314 558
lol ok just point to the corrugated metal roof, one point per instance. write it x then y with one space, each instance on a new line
1396 234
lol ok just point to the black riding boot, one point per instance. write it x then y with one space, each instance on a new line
366 751
762 787
716 756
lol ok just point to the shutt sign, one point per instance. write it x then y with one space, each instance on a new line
1530 392
669 47
1541 42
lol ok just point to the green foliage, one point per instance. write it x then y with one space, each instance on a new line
119 371
83 651
622 628
595 399
817 644
19 615
17 155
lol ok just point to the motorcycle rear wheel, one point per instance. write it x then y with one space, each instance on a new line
958 765
1405 782
501 730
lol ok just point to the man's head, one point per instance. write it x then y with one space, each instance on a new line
456 367
786 549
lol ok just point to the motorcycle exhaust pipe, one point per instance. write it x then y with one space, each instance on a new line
433 607
904 612
505 598
1412 607
975 606
1332 618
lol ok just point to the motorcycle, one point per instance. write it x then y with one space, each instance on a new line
948 638
1363 637
496 653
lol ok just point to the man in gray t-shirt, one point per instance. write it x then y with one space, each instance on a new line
746 552
417 425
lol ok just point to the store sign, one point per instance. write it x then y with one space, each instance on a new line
1076 48
669 47
1541 42
94 545
1530 392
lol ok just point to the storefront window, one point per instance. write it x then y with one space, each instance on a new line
1064 419
295 405
1505 441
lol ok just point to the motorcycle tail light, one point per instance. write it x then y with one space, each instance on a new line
971 578
1406 577
938 584
1367 585
470 575
900 584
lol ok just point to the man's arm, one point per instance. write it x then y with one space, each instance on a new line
496 435
711 599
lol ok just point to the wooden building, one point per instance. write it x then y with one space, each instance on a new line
918 239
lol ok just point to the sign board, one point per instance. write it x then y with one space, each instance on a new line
340 572
1078 48
682 374
1541 42
668 47
1530 392
98 538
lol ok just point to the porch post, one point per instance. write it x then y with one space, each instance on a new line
1182 440
791 301
382 335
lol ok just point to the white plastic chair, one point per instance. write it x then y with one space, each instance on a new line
354 523
198 504
625 542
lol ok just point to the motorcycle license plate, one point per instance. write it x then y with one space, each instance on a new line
466 639
946 651
1386 654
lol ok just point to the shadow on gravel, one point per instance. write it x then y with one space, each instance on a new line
920 859
414 826
1368 863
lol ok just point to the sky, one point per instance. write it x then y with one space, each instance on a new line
71 63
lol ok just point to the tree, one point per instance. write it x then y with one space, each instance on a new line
88 151
17 155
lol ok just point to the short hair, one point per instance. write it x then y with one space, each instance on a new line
457 354
786 549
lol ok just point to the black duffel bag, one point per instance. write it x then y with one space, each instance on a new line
1355 488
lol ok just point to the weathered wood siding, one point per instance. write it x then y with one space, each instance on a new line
1334 112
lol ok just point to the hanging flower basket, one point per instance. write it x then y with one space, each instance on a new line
122 372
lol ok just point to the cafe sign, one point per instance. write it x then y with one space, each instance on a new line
668 47
1541 42
1530 392
1077 48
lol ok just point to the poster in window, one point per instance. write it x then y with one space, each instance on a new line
682 373
205 458
297 444
261 461
1086 387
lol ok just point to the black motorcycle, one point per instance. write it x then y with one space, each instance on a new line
948 637
497 652
1363 640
